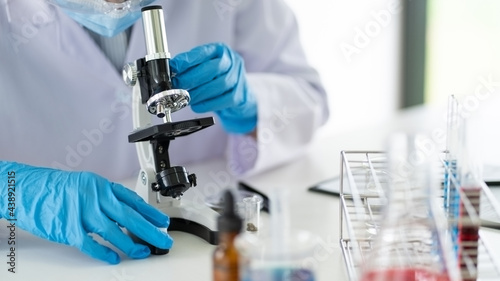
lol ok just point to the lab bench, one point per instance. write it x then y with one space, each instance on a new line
190 257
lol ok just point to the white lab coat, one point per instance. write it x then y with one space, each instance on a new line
63 104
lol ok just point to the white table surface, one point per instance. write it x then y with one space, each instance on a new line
190 257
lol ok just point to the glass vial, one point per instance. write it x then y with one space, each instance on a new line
413 243
225 256
252 205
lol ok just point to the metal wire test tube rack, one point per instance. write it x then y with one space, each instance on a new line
362 183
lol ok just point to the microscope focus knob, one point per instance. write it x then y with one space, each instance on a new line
129 74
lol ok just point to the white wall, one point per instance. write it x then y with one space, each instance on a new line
355 44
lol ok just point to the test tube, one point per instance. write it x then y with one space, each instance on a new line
252 205
451 184
469 207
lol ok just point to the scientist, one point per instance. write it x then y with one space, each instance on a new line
66 113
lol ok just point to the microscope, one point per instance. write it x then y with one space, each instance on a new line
159 183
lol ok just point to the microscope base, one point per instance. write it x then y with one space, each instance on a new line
179 224
190 219
199 220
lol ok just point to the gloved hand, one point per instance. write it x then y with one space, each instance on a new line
215 78
65 207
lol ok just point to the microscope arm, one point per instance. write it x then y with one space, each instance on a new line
141 118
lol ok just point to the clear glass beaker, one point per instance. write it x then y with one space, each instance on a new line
281 253
293 261
413 243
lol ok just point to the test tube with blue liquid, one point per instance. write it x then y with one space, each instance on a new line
451 196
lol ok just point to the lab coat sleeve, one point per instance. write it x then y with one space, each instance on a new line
292 103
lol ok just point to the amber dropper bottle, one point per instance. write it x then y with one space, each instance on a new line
225 256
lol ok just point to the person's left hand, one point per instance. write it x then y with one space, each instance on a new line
215 77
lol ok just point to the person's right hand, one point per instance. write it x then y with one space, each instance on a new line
65 207
216 79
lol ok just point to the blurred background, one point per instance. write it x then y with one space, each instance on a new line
379 56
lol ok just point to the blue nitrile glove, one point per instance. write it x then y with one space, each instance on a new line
215 77
65 207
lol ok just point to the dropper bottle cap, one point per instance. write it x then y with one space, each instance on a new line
229 221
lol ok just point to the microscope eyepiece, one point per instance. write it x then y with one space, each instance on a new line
154 32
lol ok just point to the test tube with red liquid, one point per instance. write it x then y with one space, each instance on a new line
469 207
